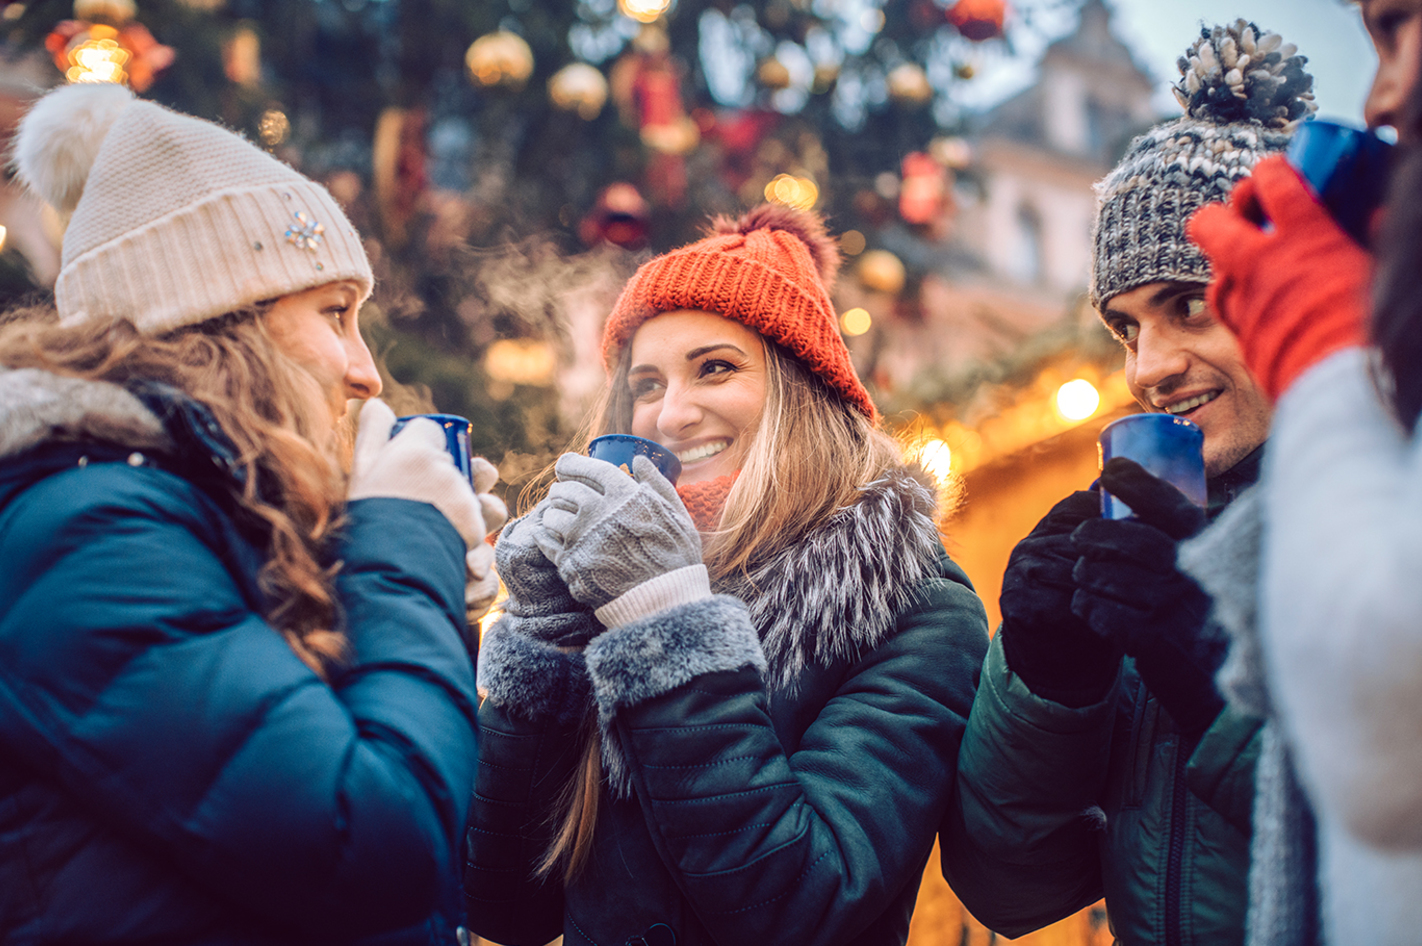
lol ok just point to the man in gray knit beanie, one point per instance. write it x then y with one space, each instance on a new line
1099 759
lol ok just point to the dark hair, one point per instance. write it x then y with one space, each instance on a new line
1397 306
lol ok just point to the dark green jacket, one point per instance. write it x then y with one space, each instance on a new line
1058 807
785 798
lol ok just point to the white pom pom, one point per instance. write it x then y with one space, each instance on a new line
59 138
1229 54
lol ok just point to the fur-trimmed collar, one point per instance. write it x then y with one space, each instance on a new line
835 593
37 407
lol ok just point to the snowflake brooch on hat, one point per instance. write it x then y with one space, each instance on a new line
305 234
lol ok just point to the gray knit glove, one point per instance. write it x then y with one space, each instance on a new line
539 604
609 532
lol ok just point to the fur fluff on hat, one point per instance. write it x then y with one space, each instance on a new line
173 220
1244 91
771 270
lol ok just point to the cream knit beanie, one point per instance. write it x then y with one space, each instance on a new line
174 220
1244 90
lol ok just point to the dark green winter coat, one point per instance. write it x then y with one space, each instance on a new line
1058 807
775 773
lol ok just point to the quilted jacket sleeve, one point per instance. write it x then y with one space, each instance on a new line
806 846
1221 769
137 672
1017 844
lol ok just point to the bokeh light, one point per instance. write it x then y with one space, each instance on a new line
856 321
936 458
798 192
1077 399
643 11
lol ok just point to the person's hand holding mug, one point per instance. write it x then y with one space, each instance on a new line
539 603
415 464
1049 648
609 533
1129 591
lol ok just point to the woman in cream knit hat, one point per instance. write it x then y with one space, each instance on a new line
659 764
235 703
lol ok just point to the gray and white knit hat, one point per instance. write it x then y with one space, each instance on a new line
1244 91
174 220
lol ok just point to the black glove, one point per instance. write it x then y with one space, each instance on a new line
1052 650
1130 592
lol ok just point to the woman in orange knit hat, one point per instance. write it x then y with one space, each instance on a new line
727 712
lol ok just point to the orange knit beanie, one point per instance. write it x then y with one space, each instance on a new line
771 270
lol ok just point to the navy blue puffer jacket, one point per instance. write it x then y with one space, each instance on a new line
170 771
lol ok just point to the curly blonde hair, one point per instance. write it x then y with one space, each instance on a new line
271 410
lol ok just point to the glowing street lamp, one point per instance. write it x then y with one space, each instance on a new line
936 458
643 11
1077 399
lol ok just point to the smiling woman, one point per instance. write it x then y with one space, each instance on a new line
766 763
698 387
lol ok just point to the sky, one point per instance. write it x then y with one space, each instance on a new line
1329 32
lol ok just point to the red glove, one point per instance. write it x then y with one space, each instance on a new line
1294 294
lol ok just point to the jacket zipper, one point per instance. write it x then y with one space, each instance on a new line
1175 859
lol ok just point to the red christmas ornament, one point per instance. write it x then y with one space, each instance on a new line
978 20
620 216
924 190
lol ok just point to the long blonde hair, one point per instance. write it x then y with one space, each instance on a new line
811 453
270 409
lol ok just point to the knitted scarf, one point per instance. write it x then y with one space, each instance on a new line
706 500
1283 861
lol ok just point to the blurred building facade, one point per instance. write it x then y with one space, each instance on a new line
1002 325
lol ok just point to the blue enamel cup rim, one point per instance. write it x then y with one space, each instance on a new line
652 447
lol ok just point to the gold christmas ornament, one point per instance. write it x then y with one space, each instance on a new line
881 271
826 74
951 152
675 137
578 87
273 127
499 59
908 84
773 74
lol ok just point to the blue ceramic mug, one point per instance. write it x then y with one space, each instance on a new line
1348 169
456 438
1167 446
619 449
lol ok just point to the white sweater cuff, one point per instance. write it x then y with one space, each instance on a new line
667 590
